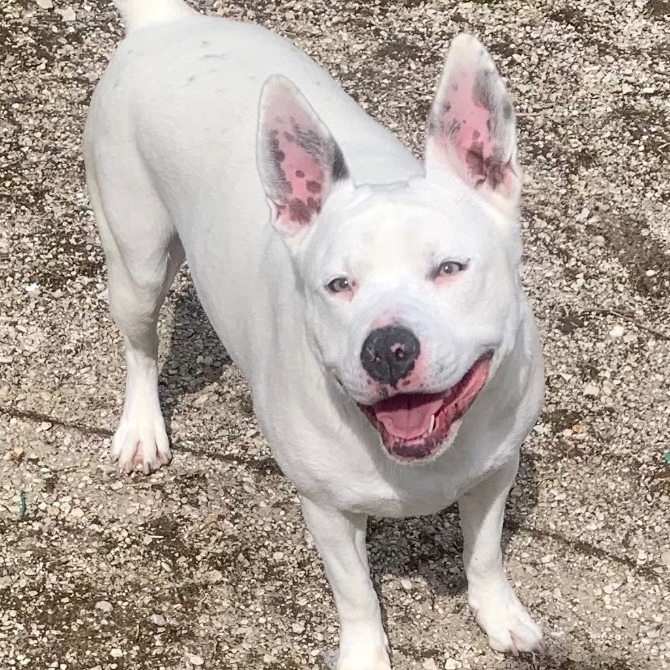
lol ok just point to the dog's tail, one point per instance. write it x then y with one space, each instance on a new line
138 13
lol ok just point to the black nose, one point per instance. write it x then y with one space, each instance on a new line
389 353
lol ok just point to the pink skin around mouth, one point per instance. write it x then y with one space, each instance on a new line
413 426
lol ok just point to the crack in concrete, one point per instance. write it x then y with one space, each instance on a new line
649 570
262 465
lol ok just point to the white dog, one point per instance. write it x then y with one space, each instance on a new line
373 302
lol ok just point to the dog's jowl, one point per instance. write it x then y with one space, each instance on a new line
372 301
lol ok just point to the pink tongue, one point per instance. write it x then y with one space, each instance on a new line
408 416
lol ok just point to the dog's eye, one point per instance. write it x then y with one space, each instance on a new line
339 285
449 268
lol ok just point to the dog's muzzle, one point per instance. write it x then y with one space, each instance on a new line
418 426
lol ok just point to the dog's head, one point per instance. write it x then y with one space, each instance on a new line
412 290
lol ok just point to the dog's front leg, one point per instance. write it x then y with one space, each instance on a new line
340 539
491 598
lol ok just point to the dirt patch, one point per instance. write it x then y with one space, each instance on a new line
47 35
570 16
58 248
644 257
649 127
503 48
400 51
657 9
587 661
168 542
542 144
560 419
407 3
570 320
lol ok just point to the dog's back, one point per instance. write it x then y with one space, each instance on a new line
174 120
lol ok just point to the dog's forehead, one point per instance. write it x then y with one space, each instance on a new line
399 230
404 218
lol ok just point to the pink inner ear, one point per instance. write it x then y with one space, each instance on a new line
466 128
295 140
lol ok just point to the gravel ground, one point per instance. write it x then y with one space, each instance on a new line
207 563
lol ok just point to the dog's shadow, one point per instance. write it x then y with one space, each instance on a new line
431 547
195 357
427 547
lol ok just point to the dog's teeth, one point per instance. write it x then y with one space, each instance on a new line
432 424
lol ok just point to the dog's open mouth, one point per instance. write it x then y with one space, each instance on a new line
413 426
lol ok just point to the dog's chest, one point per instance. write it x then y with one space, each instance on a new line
404 491
403 504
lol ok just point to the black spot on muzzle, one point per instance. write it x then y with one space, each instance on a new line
389 354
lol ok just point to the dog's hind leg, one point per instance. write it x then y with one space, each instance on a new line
143 256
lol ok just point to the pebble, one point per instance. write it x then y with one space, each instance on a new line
17 454
194 659
214 576
104 606
200 401
591 390
158 620
611 588
68 14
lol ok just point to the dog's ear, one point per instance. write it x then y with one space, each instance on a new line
471 129
298 159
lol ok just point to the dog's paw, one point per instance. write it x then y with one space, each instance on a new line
141 442
378 660
359 658
506 622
